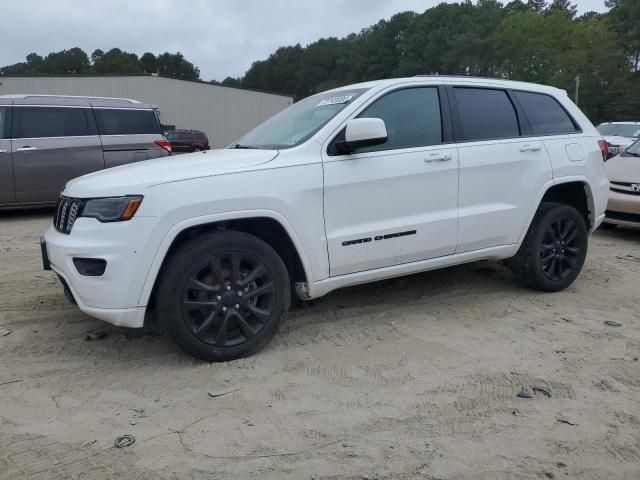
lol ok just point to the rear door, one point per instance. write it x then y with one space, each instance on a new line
128 134
503 166
7 188
51 145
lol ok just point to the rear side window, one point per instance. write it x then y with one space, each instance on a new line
39 122
486 114
185 136
545 114
412 117
199 136
126 122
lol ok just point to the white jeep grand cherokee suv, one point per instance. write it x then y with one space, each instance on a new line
353 185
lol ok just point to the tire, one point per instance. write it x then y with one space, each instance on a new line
223 295
196 148
543 261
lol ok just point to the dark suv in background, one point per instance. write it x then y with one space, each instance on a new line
188 141
47 140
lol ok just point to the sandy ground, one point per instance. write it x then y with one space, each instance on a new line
411 378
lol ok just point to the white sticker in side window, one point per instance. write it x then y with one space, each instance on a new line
335 100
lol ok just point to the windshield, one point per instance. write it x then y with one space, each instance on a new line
299 122
620 129
633 150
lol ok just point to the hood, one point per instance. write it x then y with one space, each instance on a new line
135 177
623 169
622 141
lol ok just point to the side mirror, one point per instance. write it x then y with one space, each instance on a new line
363 132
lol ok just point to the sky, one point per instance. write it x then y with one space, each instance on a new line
221 37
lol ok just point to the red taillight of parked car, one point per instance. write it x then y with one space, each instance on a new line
604 148
166 144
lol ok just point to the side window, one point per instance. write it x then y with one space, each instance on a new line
199 135
172 136
545 114
412 117
486 114
3 121
39 122
185 136
126 121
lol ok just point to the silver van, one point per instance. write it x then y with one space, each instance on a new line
46 140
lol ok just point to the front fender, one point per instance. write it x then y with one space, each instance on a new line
180 227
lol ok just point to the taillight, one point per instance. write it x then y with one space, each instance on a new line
166 144
604 148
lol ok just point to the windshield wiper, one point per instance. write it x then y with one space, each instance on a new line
247 147
631 153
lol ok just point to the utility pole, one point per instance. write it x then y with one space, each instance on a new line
577 96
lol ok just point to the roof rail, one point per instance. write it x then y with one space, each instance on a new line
68 97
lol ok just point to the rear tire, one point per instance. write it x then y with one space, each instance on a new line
554 249
223 295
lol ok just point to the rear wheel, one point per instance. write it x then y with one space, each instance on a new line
223 295
554 249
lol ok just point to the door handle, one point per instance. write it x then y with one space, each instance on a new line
438 157
530 148
25 149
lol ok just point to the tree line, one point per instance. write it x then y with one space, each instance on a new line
534 41
537 41
115 61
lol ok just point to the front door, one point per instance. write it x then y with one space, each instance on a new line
397 202
7 189
52 145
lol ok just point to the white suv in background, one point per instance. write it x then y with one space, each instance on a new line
357 184
619 135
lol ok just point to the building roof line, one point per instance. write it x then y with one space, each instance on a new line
119 75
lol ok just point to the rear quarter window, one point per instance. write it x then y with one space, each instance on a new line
127 121
545 114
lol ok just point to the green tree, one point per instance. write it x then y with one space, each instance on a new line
117 61
74 60
563 6
176 66
149 63
625 21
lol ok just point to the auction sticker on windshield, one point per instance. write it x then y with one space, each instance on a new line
335 100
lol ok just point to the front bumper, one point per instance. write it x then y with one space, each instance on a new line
129 249
623 209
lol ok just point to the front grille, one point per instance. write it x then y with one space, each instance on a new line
622 216
630 188
67 211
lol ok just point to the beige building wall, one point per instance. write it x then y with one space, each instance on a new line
223 113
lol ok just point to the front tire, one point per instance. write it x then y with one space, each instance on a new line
554 249
223 295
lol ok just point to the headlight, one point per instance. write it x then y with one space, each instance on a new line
114 209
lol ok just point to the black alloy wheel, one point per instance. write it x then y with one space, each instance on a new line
222 295
560 250
228 299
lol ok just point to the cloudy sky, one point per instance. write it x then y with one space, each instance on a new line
221 37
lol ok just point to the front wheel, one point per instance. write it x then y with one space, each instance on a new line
223 295
554 249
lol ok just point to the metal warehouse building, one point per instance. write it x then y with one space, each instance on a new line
223 113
